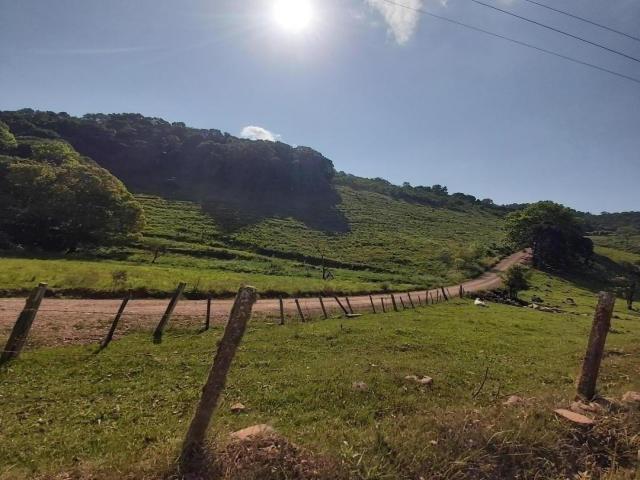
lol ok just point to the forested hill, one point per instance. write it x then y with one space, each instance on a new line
151 155
233 177
155 156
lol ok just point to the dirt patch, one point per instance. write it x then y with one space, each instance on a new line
275 458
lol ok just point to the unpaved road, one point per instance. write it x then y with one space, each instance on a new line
67 321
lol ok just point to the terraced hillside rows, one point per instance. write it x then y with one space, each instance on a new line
387 244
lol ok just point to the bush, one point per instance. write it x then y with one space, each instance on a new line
515 280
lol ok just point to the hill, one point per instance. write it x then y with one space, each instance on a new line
615 230
221 210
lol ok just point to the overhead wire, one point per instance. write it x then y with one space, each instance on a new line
513 40
582 19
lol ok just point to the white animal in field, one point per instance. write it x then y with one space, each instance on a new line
479 303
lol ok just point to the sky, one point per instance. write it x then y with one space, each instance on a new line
381 90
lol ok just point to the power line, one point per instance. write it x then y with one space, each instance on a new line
513 40
582 19
557 30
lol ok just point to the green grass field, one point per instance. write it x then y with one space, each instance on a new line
391 245
123 413
626 242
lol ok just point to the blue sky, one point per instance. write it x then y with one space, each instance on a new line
378 89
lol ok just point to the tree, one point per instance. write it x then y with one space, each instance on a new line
515 280
552 231
58 201
629 283
7 140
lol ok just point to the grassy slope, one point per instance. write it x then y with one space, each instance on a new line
400 246
126 410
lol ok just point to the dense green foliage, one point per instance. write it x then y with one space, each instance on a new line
123 413
515 280
7 139
151 155
53 199
553 231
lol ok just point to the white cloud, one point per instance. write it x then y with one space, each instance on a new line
401 22
252 132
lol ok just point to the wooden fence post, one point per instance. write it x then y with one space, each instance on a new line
299 310
324 310
384 310
21 329
411 300
207 321
373 307
107 340
393 301
341 305
444 294
349 305
461 292
193 446
157 335
281 310
419 301
431 295
402 302
595 347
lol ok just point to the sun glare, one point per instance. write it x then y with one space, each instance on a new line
293 15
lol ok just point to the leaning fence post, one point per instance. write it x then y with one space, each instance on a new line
393 300
431 295
20 331
384 310
461 292
324 310
373 307
411 300
207 321
107 340
349 305
193 447
157 334
341 305
595 347
281 310
299 310
444 294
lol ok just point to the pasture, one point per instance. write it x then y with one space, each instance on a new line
123 413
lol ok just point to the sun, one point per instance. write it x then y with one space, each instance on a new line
293 15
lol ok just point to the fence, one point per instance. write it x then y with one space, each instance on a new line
85 321
194 443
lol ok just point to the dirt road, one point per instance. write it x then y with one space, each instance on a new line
70 321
